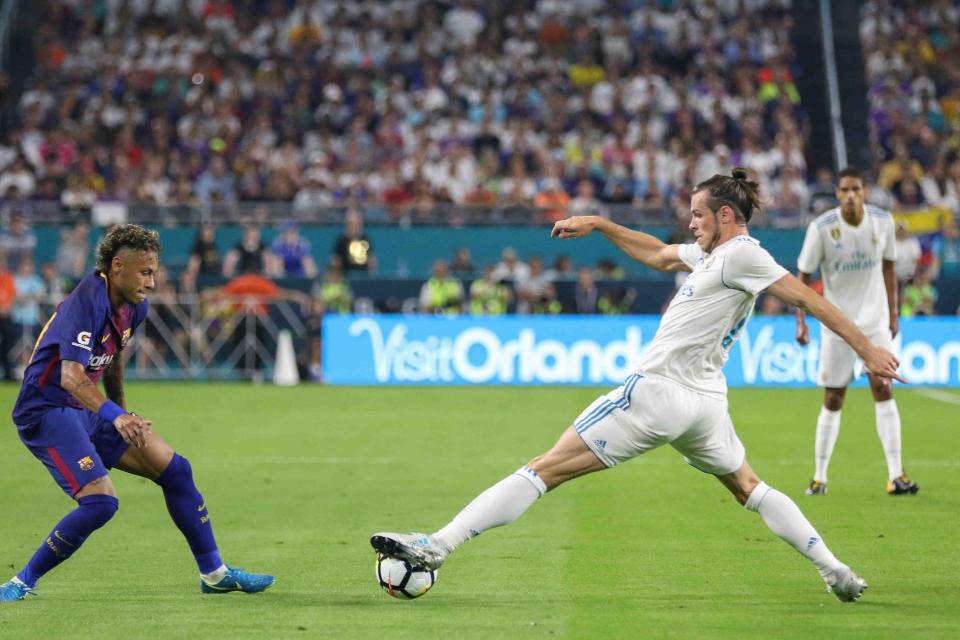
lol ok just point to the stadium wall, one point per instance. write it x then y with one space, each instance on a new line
411 251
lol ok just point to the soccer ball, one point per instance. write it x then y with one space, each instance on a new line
401 579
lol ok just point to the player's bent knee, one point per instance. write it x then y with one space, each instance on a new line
178 473
100 486
99 508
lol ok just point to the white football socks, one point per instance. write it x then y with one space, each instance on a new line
828 428
784 518
888 428
501 504
216 576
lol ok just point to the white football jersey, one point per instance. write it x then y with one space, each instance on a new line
850 260
708 313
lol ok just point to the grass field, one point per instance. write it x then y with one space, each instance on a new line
296 480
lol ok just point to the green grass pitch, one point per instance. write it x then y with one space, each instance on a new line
297 479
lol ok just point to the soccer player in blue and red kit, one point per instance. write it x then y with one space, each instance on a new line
79 434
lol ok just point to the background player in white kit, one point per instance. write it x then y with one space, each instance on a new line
854 248
678 395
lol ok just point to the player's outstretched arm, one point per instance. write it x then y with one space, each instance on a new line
74 379
642 247
878 360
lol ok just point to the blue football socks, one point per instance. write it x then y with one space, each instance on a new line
189 513
92 512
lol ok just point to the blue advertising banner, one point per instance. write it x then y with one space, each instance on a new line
587 350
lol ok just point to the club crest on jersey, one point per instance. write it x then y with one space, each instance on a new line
86 463
686 291
126 337
835 234
709 262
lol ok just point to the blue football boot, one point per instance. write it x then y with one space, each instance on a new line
14 590
239 580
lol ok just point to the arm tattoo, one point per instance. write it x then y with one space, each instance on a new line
113 380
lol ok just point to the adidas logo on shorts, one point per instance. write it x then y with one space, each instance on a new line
600 444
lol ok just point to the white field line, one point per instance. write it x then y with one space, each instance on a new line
939 394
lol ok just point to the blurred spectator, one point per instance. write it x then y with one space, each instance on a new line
586 203
586 295
216 183
823 192
536 293
608 270
562 269
552 200
53 287
908 253
489 296
26 308
919 297
74 251
204 258
511 267
335 292
8 334
939 188
18 242
353 250
249 255
462 264
947 252
900 166
616 301
907 194
17 175
790 191
292 253
441 294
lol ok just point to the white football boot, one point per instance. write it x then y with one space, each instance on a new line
415 548
846 585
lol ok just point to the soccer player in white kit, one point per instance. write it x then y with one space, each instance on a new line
678 394
854 248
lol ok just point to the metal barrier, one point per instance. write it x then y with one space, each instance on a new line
201 337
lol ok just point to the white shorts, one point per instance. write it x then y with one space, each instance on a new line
839 364
647 412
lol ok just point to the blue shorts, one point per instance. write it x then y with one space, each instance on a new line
75 445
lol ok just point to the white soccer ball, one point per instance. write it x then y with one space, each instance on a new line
402 580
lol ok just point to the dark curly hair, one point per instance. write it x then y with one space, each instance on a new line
122 236
736 191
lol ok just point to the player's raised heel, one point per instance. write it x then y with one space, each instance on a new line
902 486
846 585
415 548
14 590
239 580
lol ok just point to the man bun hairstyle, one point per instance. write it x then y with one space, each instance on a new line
736 191
125 236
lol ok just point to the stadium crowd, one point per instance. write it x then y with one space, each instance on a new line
913 77
406 105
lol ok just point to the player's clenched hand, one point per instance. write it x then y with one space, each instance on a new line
882 363
803 333
575 227
132 428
